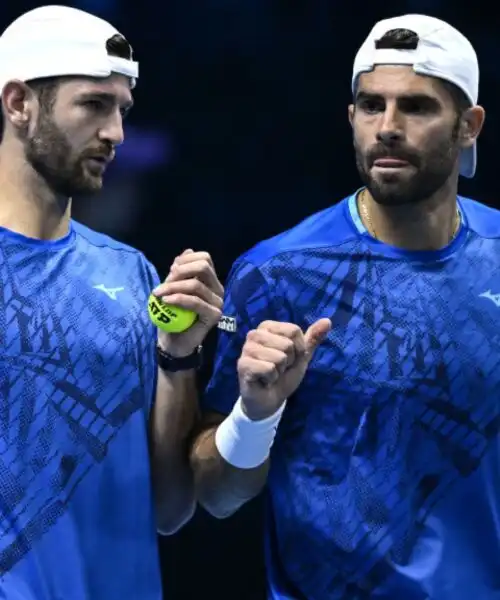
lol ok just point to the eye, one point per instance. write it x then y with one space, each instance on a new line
95 105
371 105
419 105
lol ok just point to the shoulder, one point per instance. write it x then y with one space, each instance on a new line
101 240
330 227
482 219
119 256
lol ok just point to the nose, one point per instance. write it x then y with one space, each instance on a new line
391 126
112 131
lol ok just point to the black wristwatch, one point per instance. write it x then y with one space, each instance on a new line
170 363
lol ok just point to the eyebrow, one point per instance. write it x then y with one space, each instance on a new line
106 97
417 96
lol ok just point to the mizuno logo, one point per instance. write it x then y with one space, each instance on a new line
495 298
111 292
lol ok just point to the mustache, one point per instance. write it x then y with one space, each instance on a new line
398 152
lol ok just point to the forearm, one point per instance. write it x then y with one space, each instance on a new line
174 416
221 488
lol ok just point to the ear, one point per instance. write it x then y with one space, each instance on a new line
350 113
472 122
19 103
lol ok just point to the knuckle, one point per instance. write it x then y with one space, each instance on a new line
247 347
204 267
252 335
193 285
204 261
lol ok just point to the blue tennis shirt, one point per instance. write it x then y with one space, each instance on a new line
77 380
385 472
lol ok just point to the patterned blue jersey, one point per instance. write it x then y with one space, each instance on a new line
385 473
77 380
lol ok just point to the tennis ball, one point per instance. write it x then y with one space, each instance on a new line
171 319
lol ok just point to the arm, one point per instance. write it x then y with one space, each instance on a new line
230 455
231 459
192 284
222 488
173 418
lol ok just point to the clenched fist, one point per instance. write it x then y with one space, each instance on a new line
273 363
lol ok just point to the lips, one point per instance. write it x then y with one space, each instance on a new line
390 162
100 158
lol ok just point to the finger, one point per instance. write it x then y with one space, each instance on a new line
253 371
287 330
271 355
205 311
316 333
191 256
191 287
270 340
199 269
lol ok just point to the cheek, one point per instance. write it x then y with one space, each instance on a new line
361 140
426 138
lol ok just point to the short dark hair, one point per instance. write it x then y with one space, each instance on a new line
46 87
405 39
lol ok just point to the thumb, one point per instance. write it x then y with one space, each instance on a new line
187 251
316 334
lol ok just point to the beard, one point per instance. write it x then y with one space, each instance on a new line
429 171
51 155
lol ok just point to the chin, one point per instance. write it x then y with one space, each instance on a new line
88 185
394 194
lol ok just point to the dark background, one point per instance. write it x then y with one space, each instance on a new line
240 131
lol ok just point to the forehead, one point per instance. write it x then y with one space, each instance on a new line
115 86
400 80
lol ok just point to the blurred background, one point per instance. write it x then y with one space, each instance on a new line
239 131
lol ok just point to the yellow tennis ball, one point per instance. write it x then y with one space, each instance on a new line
171 319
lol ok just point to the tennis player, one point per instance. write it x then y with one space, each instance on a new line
364 343
95 406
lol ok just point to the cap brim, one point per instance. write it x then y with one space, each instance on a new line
468 161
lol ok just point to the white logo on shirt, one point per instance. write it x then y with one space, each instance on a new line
495 298
111 292
227 324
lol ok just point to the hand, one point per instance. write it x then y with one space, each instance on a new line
191 284
273 363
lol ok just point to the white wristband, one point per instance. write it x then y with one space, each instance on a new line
244 443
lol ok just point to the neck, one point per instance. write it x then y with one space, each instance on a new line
27 205
427 225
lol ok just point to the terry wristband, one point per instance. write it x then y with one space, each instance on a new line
244 443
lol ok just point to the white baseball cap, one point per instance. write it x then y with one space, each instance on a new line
53 41
442 52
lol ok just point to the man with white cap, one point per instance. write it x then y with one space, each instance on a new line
362 346
96 406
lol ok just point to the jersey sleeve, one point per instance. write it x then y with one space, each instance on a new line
153 277
248 301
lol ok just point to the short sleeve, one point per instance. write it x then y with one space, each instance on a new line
153 277
247 302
